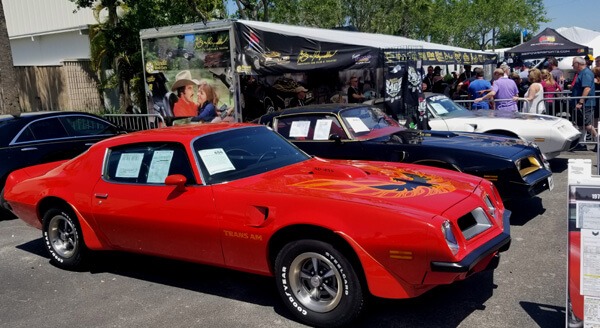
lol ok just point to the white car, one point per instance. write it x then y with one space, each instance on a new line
552 134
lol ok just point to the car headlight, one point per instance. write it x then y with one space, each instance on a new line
449 237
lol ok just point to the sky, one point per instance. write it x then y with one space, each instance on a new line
568 13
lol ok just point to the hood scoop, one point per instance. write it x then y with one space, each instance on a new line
337 171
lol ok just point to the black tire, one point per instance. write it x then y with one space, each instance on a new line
63 239
330 296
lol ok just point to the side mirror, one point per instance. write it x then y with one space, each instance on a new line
335 137
176 180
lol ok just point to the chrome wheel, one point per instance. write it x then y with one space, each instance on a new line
62 236
315 282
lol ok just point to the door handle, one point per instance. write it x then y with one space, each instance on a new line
29 148
87 144
101 196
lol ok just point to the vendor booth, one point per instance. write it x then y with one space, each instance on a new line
545 44
259 67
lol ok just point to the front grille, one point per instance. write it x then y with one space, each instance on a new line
467 221
474 223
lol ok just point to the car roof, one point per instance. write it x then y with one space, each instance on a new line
320 108
184 133
29 116
10 125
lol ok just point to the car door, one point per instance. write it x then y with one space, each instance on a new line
436 122
55 138
41 141
138 212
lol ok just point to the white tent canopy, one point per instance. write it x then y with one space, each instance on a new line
381 41
583 36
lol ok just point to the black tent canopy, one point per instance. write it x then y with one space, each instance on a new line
547 43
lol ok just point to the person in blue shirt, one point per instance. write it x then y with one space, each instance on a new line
584 87
479 88
208 99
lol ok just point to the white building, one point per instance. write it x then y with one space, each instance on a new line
51 52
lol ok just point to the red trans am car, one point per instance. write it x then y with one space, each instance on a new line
241 196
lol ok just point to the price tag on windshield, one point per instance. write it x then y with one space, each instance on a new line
357 124
322 129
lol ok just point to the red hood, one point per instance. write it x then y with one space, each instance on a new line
381 184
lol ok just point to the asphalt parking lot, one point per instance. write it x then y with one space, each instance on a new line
121 290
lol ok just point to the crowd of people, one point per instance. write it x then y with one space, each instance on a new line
531 90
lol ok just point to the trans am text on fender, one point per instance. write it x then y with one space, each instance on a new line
242 197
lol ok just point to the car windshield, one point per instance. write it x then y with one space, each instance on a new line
443 106
243 152
368 122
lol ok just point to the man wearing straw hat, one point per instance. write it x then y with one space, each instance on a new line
300 97
184 87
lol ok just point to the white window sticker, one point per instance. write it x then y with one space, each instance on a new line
299 129
357 124
588 215
591 311
439 109
159 166
129 165
322 129
590 262
216 160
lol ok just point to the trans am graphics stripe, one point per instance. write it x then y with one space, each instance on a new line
409 185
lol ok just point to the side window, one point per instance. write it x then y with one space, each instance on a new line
148 163
43 129
86 126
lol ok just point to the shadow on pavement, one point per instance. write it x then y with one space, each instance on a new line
6 215
547 316
36 247
525 210
558 165
444 306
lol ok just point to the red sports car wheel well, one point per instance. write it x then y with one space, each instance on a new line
51 202
298 232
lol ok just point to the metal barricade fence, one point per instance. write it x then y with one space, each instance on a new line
136 122
565 107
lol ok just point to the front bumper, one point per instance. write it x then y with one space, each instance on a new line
499 243
532 185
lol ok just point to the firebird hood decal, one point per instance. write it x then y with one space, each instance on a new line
404 186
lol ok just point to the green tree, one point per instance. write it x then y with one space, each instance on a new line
257 10
315 13
511 38
115 40
477 24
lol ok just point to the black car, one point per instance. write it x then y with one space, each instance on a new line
42 137
180 52
340 131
